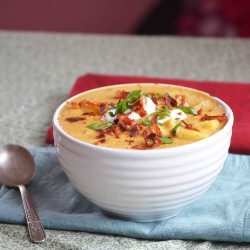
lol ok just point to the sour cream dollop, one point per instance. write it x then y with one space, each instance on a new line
149 105
175 115
134 116
109 116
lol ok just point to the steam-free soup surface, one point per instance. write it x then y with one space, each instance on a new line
142 116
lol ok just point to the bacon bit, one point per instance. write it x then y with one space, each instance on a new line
124 122
100 141
181 101
140 107
129 141
74 105
199 112
154 129
117 131
135 130
91 105
154 98
142 101
156 142
189 126
98 108
152 140
221 118
114 131
122 94
171 100
154 118
102 108
141 147
167 102
141 112
89 113
110 132
101 134
75 119
151 137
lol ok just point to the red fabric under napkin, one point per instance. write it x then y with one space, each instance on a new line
236 95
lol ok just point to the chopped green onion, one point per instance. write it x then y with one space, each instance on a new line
147 123
98 126
94 126
133 96
163 113
147 95
149 116
166 140
124 105
188 110
161 116
173 131
111 114
107 124
159 94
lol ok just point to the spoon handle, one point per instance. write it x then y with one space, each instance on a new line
36 231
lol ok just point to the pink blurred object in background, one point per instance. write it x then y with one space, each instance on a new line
89 16
216 18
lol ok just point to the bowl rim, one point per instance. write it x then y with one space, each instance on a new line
176 149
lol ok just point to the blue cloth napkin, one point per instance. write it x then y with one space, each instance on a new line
222 213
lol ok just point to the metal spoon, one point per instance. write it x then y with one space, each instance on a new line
17 168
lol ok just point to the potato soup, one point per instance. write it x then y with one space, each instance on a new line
142 116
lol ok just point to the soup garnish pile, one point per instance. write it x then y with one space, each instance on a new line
142 116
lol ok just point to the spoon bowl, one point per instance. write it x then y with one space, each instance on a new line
17 168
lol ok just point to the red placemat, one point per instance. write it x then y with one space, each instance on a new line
236 95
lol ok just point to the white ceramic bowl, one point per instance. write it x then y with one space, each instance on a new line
143 185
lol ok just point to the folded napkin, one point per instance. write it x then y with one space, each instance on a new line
236 95
221 214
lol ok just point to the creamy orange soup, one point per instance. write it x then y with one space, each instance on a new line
142 116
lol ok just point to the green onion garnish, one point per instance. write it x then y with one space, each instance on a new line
159 94
173 131
98 126
188 110
133 96
147 123
111 114
163 112
94 126
166 140
147 95
107 124
124 105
